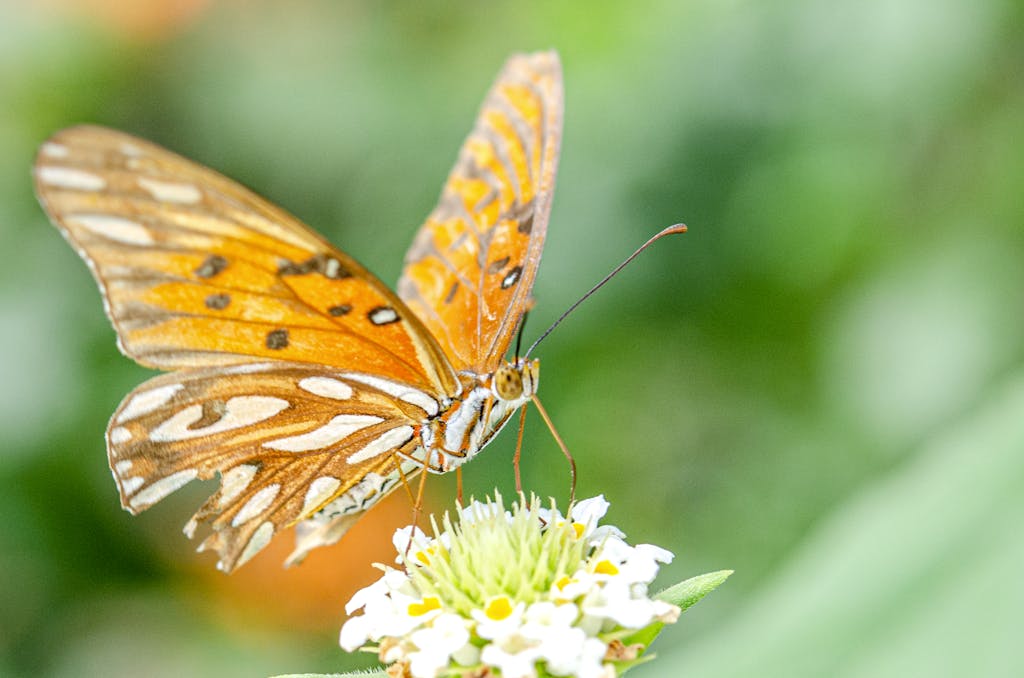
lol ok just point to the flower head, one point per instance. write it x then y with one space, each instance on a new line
520 592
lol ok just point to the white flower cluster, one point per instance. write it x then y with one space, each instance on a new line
520 593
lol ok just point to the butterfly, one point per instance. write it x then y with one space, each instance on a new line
301 380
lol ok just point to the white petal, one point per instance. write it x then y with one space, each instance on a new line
446 635
667 613
592 660
402 537
590 511
427 663
561 650
354 633
360 598
655 552
512 664
498 629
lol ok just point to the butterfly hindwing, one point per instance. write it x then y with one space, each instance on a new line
196 270
470 270
285 440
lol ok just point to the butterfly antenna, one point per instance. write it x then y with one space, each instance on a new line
675 228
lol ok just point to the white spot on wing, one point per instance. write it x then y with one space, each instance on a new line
166 191
115 228
122 467
234 482
326 387
256 505
131 149
119 435
54 150
320 490
390 440
400 391
238 412
147 401
383 316
70 177
161 488
510 279
336 430
247 368
260 538
131 484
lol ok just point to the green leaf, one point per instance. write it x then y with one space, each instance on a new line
685 595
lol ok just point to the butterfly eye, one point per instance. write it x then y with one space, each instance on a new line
508 383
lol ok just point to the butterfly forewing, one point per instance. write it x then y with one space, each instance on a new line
470 270
197 270
284 438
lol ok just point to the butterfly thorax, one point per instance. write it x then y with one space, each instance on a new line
460 430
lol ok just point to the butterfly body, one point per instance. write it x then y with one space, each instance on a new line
293 374
482 409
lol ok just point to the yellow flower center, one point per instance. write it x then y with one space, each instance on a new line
419 609
578 529
498 608
424 556
606 567
563 581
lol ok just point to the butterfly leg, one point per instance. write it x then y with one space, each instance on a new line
404 478
417 505
458 484
561 444
519 450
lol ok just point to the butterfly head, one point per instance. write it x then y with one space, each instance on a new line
516 381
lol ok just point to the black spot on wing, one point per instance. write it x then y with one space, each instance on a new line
340 310
522 214
526 224
277 339
218 302
329 267
497 265
211 266
451 292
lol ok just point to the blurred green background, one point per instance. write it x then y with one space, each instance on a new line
819 386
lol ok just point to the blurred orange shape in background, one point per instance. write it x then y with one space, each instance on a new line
141 20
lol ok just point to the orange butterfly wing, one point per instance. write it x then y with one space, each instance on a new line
286 439
470 270
201 276
196 270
